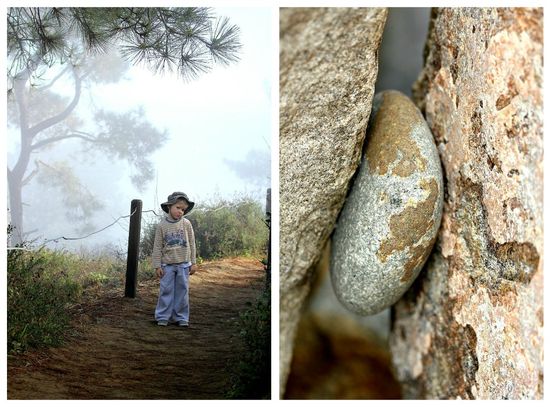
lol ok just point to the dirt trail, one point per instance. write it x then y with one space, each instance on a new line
120 353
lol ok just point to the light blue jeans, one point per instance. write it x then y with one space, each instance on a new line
173 302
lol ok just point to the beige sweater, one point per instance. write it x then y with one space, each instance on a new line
174 242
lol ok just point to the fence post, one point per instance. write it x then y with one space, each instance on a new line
133 249
268 216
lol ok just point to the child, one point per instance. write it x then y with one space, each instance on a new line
173 258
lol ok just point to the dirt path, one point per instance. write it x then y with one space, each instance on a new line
120 353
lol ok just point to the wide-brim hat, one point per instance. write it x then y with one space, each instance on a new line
173 198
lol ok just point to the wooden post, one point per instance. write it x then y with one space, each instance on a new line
133 249
268 216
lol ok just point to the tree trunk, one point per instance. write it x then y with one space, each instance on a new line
17 173
28 132
471 326
15 208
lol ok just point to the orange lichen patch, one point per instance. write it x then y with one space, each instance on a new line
408 226
418 256
390 135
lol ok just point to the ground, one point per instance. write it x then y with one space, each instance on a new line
117 351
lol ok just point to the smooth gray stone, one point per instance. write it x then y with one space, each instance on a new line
391 216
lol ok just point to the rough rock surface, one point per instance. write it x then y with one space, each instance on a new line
471 326
390 220
328 67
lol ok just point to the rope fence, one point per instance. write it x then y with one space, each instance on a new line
134 232
57 239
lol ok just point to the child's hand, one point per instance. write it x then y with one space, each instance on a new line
191 270
159 272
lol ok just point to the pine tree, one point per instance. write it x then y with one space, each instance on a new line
69 41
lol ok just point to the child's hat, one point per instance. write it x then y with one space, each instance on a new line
173 198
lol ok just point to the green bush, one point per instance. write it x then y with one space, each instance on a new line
148 229
222 229
252 373
42 286
39 289
226 229
146 270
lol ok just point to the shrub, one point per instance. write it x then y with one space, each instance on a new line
252 373
145 270
222 229
148 228
42 286
39 289
226 229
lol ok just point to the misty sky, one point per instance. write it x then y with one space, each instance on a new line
222 116
219 129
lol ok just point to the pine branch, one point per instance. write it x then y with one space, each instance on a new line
181 39
224 43
78 134
55 79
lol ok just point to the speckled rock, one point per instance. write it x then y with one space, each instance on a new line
391 216
328 67
472 328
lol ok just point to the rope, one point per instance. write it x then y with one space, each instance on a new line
90 234
108 226
81 237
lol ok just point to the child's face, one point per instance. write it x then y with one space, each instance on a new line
178 209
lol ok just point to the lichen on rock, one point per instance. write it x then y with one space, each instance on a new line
392 213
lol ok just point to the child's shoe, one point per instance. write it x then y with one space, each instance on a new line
184 324
162 323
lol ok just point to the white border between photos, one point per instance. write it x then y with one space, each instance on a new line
275 210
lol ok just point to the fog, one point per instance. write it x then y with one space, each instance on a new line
219 143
